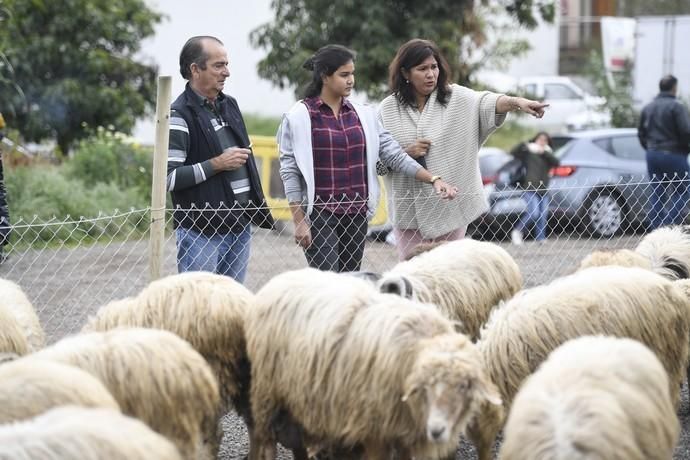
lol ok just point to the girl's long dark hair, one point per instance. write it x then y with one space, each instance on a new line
410 55
324 63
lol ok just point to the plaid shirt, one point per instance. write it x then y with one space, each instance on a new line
339 150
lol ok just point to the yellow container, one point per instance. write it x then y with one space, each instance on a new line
265 151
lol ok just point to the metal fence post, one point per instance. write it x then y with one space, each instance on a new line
160 160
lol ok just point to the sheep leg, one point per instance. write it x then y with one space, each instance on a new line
376 451
261 451
300 453
483 437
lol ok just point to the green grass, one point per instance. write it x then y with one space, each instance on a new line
509 135
260 125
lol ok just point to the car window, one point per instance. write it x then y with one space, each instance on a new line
627 147
559 141
563 149
604 143
558 91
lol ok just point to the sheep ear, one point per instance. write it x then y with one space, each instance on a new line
409 393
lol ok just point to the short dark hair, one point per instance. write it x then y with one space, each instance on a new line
323 63
543 133
409 55
667 83
193 53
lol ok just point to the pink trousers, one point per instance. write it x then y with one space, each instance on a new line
406 240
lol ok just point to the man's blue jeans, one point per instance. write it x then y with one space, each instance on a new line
537 212
669 175
225 254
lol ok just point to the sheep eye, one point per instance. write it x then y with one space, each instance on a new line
464 386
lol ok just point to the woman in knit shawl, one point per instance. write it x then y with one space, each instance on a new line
443 125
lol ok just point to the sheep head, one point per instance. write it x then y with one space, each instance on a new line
447 386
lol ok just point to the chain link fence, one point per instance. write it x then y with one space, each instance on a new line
70 267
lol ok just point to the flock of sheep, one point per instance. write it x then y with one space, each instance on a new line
377 366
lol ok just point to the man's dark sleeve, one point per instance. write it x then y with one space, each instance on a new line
642 130
683 123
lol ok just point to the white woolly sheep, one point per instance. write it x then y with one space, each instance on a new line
594 397
205 309
87 434
619 257
464 278
28 388
668 249
617 301
12 339
13 300
393 370
153 375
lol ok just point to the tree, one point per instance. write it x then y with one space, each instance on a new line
617 90
375 29
70 67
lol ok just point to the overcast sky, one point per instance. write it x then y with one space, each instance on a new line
229 20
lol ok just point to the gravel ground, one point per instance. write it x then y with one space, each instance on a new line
66 285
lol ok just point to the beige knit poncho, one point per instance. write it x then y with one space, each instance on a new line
456 132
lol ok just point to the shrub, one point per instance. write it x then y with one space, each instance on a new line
111 158
46 198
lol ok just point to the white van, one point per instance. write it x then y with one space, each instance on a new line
570 108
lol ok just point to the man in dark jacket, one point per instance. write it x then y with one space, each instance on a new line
212 176
664 131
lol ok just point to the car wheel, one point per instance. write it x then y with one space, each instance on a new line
605 215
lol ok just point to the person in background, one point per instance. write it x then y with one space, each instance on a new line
445 124
4 209
538 159
212 176
329 148
664 131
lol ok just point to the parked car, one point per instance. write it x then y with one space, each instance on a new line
491 159
601 186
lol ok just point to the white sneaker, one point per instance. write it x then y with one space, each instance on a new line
516 237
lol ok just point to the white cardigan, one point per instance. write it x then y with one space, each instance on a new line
297 159
457 131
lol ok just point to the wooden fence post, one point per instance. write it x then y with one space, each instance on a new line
160 161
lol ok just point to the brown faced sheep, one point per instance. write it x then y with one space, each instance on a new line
594 397
464 278
205 309
617 301
29 388
87 434
355 367
153 375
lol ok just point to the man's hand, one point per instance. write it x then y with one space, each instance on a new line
418 148
231 158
